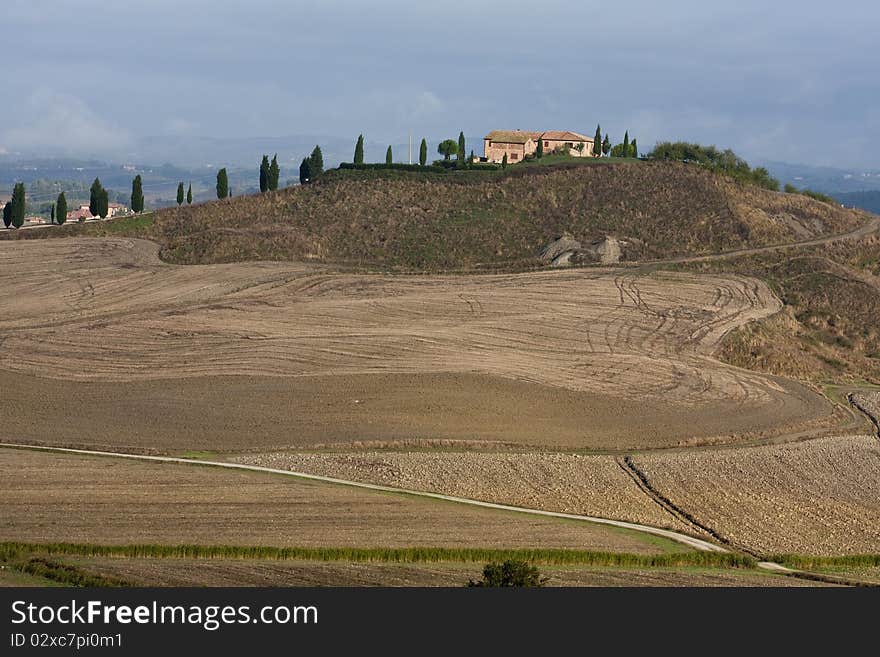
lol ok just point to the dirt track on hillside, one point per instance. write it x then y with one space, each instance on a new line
107 317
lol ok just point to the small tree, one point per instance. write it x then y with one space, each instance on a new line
460 153
625 151
471 159
359 150
19 203
61 209
274 173
389 158
181 194
447 148
137 194
539 153
7 214
104 203
606 145
305 173
510 573
634 148
222 184
52 215
504 161
264 174
94 197
597 142
189 194
423 153
316 163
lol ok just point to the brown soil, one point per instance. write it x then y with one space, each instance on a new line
192 572
587 485
53 498
598 359
820 497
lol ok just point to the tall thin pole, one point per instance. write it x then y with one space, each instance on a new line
410 148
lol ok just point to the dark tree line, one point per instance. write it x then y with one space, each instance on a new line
311 167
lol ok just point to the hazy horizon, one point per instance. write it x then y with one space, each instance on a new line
789 83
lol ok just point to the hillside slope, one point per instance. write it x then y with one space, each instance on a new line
413 221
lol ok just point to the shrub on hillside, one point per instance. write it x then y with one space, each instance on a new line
508 574
726 162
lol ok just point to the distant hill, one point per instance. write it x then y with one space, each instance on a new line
869 201
829 180
474 219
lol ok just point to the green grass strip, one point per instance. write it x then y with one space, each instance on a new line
11 550
810 563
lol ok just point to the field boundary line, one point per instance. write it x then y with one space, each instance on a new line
690 541
668 505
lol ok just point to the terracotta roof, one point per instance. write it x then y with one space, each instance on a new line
511 136
564 135
522 136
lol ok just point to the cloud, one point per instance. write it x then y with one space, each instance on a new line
64 123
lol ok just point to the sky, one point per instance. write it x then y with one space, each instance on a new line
785 80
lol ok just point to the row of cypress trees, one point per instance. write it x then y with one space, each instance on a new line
269 174
446 148
14 210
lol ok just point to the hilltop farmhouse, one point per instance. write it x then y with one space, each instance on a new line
517 144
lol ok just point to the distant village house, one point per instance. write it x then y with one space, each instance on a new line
83 212
517 144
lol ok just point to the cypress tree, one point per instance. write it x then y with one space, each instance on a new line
94 197
540 152
606 145
359 150
274 173
180 194
264 174
103 203
634 148
625 152
423 153
222 184
316 163
461 151
52 215
597 142
189 194
7 214
137 194
18 205
61 209
504 161
389 159
471 160
305 171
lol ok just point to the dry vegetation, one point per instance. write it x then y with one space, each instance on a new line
49 498
828 330
438 222
231 572
817 497
624 358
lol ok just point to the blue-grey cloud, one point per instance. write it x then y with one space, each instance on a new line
782 80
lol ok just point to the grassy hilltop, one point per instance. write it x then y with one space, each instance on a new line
399 220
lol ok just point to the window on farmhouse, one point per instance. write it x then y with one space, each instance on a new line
568 144
514 156
546 144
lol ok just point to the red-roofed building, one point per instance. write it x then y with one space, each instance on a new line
517 144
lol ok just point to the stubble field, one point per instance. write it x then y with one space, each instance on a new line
127 349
